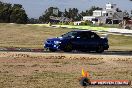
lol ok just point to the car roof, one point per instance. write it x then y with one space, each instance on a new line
81 31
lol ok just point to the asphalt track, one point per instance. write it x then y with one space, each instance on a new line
109 52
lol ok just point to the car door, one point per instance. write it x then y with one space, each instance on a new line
92 41
81 41
87 40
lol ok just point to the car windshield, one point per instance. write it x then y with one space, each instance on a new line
69 34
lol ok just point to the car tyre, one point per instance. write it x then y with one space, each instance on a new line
68 47
52 50
84 50
100 49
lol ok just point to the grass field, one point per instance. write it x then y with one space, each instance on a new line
57 70
16 35
83 27
28 36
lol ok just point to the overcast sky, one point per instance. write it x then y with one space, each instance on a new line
35 8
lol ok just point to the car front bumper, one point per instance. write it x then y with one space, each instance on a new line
106 47
51 46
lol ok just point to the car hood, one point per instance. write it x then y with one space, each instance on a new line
55 39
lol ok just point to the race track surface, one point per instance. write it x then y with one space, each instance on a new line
109 52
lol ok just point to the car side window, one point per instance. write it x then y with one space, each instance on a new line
84 35
93 36
70 34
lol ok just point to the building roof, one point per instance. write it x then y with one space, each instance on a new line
98 10
118 15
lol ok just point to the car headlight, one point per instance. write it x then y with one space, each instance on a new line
46 42
57 42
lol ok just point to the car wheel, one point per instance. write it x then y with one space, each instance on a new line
52 50
84 50
68 47
100 49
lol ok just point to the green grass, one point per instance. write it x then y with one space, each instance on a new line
32 36
84 27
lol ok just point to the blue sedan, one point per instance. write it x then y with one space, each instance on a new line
77 40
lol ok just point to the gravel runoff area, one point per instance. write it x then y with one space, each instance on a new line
60 70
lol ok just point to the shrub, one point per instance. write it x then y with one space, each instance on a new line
71 23
86 23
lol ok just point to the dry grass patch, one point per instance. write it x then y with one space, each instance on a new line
32 36
17 35
39 70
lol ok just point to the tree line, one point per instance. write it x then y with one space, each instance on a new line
71 13
15 13
12 13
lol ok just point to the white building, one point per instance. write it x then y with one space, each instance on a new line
90 18
97 13
107 16
111 7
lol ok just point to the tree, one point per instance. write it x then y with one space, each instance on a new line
18 14
65 13
73 14
12 13
83 13
51 11
90 11
118 10
5 11
33 21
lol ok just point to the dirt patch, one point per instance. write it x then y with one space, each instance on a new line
53 70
